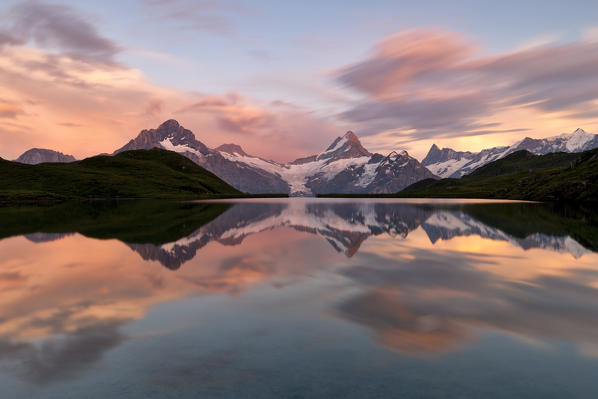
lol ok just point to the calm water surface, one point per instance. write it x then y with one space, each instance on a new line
297 298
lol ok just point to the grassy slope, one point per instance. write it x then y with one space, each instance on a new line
140 222
521 175
132 174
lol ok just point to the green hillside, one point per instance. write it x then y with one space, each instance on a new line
151 173
521 175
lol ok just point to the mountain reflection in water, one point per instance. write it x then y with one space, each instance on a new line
345 225
79 281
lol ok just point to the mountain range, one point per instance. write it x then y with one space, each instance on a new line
447 162
344 167
521 175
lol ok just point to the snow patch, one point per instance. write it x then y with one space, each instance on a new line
297 175
368 175
577 140
447 168
167 145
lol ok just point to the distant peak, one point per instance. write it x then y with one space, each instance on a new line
39 155
170 124
170 135
44 150
579 131
434 148
231 149
346 146
351 136
398 154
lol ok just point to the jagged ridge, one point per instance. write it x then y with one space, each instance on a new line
447 162
344 167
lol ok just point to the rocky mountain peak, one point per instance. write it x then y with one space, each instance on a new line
170 135
450 163
436 155
231 149
394 155
351 137
170 124
580 140
347 146
41 155
433 155
173 130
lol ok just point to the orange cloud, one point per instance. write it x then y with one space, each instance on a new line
427 85
85 108
404 57
10 110
70 93
399 329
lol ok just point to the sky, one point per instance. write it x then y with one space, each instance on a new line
283 79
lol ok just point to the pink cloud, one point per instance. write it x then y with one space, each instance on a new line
434 84
402 58
10 110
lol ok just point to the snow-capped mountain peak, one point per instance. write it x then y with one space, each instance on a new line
171 124
450 163
170 136
344 167
396 155
347 146
578 139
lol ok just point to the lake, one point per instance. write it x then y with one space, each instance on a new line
299 298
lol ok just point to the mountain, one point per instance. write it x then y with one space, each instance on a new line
344 167
246 178
170 136
447 162
131 174
521 175
41 155
578 141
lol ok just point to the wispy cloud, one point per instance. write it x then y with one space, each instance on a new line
8 110
276 130
436 84
154 107
63 88
203 15
261 55
57 27
69 124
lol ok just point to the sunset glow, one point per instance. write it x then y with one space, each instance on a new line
82 79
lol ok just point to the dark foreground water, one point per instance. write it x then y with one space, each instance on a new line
298 298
